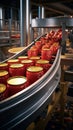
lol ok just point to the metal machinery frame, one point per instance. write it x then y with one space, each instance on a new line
7 30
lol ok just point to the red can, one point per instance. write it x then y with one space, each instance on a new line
43 40
43 63
22 58
35 58
32 52
3 92
54 48
4 75
33 73
13 61
46 54
17 70
38 44
16 84
27 63
4 66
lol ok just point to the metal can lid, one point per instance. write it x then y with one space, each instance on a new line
2 88
42 62
16 80
46 49
13 60
16 65
26 61
3 72
3 64
34 68
23 57
35 57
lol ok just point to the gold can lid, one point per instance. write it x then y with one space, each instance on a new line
16 80
3 64
15 50
42 62
13 60
2 88
26 61
16 65
3 72
34 57
34 68
23 57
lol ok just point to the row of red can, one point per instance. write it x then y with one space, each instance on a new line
20 71
17 74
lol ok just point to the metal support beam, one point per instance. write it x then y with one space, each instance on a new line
63 38
31 30
23 22
28 21
1 18
41 14
10 23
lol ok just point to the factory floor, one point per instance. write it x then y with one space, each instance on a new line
54 123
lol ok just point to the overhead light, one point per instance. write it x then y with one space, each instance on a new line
71 16
66 30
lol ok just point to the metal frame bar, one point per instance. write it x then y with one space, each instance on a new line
52 22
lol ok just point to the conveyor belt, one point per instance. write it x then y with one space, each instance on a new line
20 109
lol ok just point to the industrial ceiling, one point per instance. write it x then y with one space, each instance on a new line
52 7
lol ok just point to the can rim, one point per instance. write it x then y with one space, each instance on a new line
34 68
35 57
19 65
46 49
3 72
2 88
18 83
23 57
26 61
42 62
12 60
3 64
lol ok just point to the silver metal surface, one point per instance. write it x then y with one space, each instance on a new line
69 22
41 15
52 22
1 17
23 22
28 13
4 38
